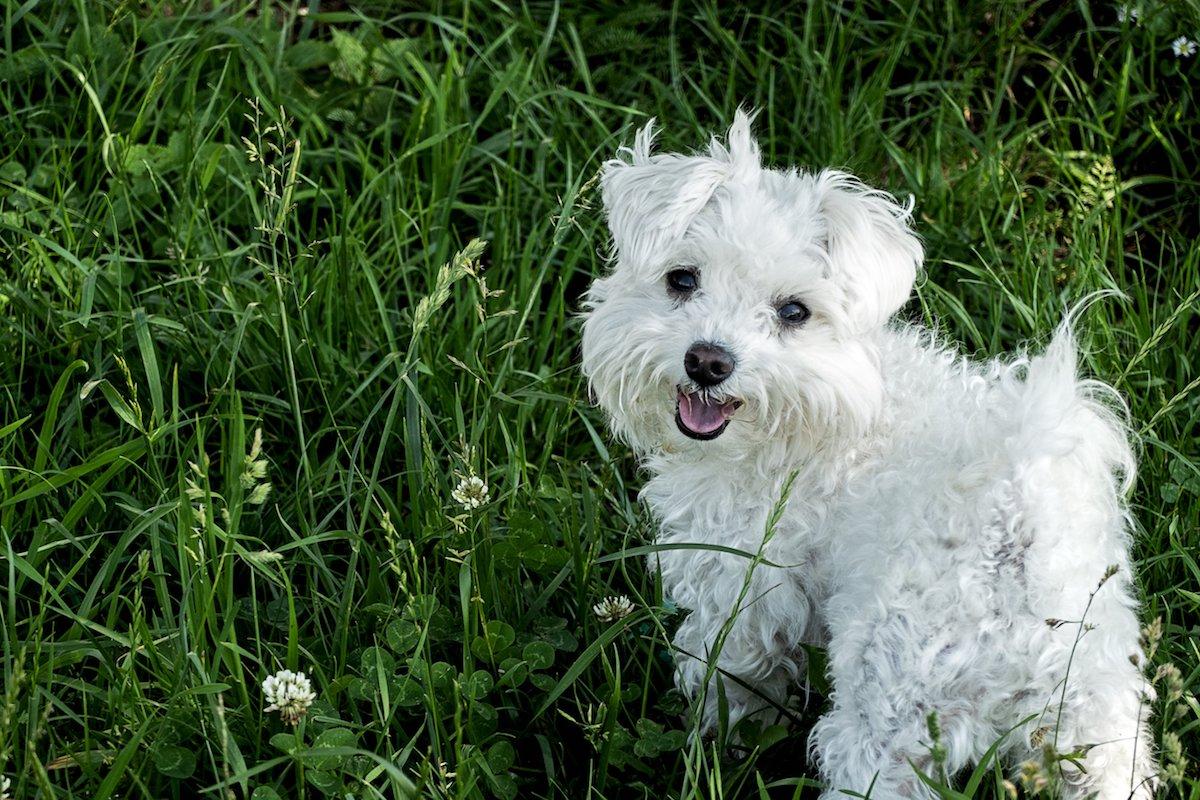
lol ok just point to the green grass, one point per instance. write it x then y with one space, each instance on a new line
222 218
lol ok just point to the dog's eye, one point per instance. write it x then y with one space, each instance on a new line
682 281
793 312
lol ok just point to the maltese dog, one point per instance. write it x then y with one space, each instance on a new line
953 533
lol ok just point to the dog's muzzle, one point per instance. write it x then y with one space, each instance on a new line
697 414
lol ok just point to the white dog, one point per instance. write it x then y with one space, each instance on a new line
955 533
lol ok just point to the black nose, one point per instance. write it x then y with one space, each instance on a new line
707 364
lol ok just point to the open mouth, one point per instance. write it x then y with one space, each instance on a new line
699 417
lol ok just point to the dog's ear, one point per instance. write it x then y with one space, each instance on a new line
651 200
740 150
873 253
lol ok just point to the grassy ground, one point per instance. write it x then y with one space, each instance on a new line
224 219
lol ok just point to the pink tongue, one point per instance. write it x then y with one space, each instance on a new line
702 417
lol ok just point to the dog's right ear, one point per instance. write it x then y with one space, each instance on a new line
873 253
651 199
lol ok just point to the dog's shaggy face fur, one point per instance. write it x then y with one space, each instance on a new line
754 242
940 511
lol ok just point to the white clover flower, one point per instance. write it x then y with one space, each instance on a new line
5 785
289 693
471 493
1129 14
1183 47
613 608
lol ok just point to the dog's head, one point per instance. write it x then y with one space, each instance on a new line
743 300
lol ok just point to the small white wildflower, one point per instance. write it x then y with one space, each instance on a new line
1183 47
289 693
471 493
611 609
5 785
1129 14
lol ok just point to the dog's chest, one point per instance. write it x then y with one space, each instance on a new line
712 507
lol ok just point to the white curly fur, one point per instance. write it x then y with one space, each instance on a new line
942 511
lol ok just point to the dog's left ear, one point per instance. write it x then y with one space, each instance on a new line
873 253
652 198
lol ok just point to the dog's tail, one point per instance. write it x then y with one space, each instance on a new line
1062 410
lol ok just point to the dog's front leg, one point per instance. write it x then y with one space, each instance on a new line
742 638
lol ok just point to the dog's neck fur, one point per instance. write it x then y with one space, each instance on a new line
704 498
